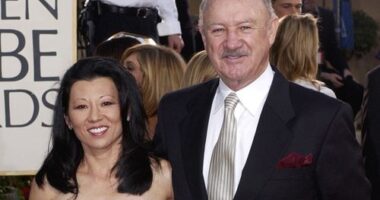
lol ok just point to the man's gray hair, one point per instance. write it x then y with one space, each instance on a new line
204 4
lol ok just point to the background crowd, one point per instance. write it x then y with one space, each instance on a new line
167 57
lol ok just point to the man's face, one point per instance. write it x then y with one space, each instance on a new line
237 36
287 7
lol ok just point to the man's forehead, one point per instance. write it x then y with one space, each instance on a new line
235 19
238 8
294 2
217 4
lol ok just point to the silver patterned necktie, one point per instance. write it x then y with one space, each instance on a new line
220 185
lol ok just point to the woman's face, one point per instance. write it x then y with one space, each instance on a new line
133 66
94 113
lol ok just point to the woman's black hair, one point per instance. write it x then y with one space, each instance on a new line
133 168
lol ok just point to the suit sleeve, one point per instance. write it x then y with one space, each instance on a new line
159 140
371 127
339 172
169 24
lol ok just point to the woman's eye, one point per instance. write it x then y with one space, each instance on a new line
79 107
130 66
107 103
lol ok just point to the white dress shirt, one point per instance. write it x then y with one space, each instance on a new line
166 9
247 114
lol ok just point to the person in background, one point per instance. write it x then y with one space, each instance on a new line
199 69
371 130
158 70
187 29
333 67
98 147
252 134
115 45
139 17
287 7
294 51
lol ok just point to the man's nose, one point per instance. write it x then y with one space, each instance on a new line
233 40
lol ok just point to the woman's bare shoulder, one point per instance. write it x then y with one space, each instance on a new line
46 192
162 178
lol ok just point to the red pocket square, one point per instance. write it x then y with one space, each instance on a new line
295 160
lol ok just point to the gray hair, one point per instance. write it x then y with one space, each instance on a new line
205 3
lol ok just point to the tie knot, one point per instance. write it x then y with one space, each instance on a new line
231 101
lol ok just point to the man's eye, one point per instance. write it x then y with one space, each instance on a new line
217 30
245 28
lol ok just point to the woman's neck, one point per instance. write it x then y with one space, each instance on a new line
99 163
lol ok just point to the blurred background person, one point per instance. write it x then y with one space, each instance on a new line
287 7
371 130
98 140
187 29
333 67
158 70
115 45
150 18
295 50
199 69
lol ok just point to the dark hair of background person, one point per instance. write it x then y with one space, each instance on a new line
115 45
133 168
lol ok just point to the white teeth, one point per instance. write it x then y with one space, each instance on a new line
98 130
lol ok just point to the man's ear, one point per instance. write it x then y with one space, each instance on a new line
68 122
273 29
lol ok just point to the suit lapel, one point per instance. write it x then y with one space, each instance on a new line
271 138
194 136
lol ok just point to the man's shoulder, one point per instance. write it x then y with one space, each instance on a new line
307 98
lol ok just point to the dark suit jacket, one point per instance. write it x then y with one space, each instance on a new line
371 130
294 119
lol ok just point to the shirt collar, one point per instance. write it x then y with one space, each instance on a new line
251 96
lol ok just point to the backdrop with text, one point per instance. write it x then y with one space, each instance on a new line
37 44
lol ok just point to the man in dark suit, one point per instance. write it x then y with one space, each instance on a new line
251 134
371 130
